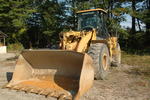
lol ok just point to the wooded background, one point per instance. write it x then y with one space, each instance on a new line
37 23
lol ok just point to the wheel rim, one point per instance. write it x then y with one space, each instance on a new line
105 62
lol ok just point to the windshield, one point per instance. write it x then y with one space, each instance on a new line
88 19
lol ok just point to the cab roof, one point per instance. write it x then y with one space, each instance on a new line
98 9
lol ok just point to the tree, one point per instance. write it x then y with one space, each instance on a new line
48 24
12 18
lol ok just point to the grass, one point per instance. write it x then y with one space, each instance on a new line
136 60
142 61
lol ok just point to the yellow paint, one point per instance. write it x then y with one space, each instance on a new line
77 40
112 44
80 41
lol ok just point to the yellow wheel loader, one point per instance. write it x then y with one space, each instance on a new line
69 72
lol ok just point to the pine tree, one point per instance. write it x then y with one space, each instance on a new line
13 16
48 23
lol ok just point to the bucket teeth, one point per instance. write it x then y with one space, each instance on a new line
27 90
23 88
36 90
53 94
30 90
16 87
33 90
46 92
64 97
41 92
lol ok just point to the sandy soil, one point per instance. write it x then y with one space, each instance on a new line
121 84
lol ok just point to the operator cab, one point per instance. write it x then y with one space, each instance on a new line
93 19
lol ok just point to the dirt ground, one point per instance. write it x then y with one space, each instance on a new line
121 84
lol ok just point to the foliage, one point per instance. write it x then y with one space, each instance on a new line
50 25
15 47
12 18
37 23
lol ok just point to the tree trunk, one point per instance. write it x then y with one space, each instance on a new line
133 18
74 13
147 35
138 21
110 7
30 45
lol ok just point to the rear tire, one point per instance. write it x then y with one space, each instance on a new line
100 55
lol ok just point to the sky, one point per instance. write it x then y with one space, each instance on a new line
128 21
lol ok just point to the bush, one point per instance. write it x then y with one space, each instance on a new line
15 47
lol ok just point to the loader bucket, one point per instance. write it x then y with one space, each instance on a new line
56 73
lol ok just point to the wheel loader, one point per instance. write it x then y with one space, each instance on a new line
93 38
69 72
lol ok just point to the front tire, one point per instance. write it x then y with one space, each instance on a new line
100 55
